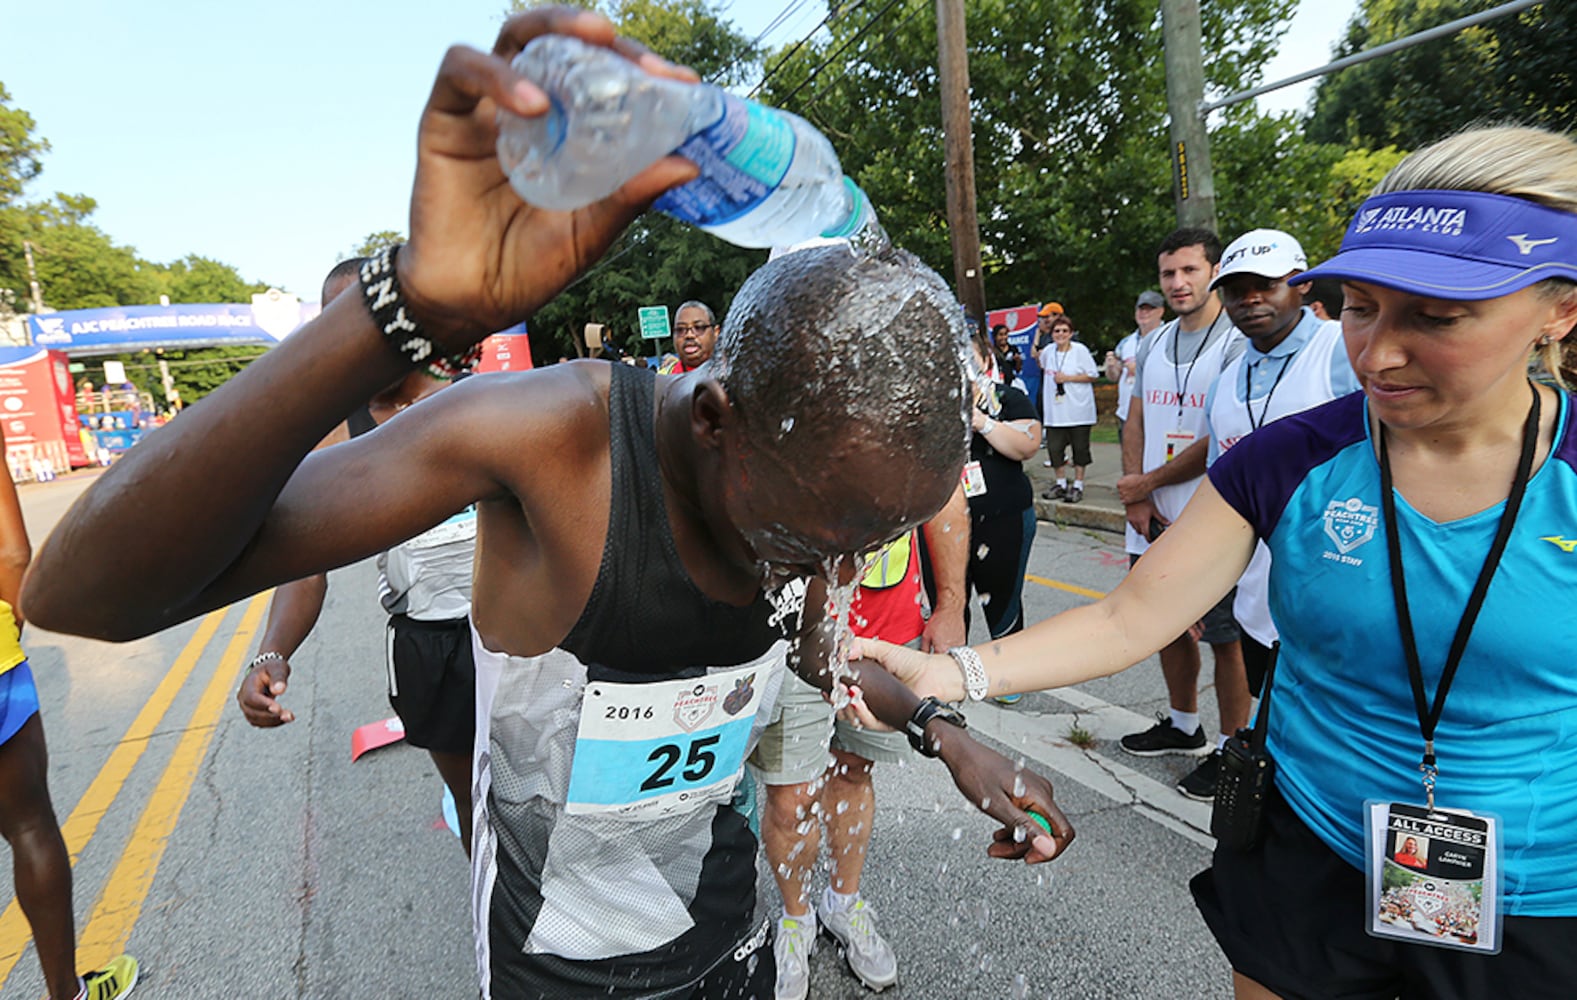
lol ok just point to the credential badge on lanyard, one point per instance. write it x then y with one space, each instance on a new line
1434 874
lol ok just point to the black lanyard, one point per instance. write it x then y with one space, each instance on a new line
1429 717
1248 389
1177 362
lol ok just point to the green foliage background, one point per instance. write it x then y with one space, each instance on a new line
1070 136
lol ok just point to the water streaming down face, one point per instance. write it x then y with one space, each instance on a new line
845 371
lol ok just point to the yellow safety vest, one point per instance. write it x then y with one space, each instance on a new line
890 564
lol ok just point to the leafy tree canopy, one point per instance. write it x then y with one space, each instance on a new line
373 242
1516 68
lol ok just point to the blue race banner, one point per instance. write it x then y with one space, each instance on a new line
135 328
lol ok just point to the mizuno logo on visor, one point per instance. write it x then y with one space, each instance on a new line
1527 246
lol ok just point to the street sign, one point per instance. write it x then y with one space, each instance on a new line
654 322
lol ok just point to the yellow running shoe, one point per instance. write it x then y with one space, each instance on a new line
113 981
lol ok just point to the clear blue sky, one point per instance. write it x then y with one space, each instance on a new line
275 136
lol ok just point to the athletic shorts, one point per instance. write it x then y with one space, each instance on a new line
1256 663
1220 627
432 682
18 699
751 971
793 749
1291 915
1061 440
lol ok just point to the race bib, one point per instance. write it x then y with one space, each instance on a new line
974 480
1176 442
646 750
1433 877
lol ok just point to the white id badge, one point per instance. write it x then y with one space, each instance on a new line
974 480
1176 441
1433 876
646 750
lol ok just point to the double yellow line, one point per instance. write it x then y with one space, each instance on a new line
118 906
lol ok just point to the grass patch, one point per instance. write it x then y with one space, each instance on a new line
1080 737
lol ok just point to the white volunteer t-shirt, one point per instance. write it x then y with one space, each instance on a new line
1176 370
1076 406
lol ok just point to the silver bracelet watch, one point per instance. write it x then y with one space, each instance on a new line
973 670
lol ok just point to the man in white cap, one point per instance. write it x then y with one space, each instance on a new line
1293 361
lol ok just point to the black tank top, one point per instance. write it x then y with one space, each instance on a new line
643 590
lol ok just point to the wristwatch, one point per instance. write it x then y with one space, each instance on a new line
973 670
929 709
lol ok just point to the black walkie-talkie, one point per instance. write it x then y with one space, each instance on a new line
1247 771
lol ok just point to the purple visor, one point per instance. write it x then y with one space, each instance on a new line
1453 245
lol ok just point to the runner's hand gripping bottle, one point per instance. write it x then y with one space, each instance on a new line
768 178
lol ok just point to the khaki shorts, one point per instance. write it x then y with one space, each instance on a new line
794 747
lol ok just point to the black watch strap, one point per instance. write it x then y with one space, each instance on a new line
927 710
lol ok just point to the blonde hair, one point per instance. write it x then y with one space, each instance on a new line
1514 160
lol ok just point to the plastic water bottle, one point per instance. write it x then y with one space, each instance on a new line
768 178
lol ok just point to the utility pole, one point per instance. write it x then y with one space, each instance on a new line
1193 187
36 296
958 147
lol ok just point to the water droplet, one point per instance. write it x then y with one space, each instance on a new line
958 832
787 425
985 962
983 551
1020 987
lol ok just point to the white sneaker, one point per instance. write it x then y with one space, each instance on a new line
870 957
794 944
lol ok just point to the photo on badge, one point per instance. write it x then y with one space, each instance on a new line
1433 876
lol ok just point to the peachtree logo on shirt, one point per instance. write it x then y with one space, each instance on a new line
693 707
1438 219
1349 523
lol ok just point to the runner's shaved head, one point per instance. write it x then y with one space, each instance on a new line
822 346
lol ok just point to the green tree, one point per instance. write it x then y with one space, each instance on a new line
1068 100
21 151
1516 68
195 278
373 242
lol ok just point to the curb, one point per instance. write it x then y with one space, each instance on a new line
1078 515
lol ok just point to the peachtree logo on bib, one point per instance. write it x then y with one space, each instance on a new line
1349 523
1437 219
694 706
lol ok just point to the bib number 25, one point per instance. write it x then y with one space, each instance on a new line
699 760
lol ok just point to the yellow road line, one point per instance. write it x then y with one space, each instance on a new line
1093 595
121 902
95 802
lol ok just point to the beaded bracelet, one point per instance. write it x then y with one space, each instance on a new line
380 288
257 660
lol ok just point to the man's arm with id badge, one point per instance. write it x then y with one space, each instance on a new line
1034 828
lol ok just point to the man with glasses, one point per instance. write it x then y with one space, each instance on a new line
695 335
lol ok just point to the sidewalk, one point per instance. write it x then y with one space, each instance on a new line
1100 508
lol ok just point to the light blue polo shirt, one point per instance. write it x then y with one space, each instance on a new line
1342 724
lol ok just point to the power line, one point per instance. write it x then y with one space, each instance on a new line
783 15
837 52
797 46
754 47
891 32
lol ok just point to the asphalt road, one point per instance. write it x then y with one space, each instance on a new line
242 863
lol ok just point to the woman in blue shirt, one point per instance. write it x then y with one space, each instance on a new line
1424 541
